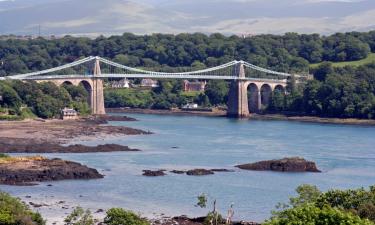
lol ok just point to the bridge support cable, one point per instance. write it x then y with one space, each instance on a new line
109 69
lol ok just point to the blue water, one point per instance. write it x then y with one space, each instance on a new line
345 154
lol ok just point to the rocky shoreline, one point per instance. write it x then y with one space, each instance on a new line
39 136
22 146
29 170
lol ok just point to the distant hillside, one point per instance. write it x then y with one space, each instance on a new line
369 59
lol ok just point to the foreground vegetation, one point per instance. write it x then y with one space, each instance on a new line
310 206
20 100
14 212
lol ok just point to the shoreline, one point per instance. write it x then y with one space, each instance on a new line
222 113
53 136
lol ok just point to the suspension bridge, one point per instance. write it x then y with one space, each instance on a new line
91 71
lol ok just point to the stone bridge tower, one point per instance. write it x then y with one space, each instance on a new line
97 92
238 105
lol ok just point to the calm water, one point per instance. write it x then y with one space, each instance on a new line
346 154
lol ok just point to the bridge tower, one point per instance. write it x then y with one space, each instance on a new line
97 92
238 105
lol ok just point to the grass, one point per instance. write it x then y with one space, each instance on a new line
370 58
4 158
191 93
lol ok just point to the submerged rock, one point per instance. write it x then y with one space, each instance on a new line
151 173
178 171
199 172
294 164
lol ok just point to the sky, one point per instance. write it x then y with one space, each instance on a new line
240 17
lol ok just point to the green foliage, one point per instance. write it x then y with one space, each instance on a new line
128 98
352 204
14 212
359 201
217 92
309 214
202 201
79 216
213 218
290 52
369 59
3 155
306 194
118 216
44 100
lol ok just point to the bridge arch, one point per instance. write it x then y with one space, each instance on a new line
67 83
253 93
265 93
279 88
89 88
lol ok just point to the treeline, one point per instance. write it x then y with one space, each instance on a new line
290 52
168 95
19 100
347 92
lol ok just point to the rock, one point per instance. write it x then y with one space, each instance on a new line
35 205
222 170
99 211
178 171
150 173
282 165
199 172
25 171
49 185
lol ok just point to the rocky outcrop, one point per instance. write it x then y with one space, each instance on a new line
151 173
199 172
295 164
27 171
20 147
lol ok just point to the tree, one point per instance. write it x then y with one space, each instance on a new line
14 212
323 70
309 214
79 216
118 216
217 92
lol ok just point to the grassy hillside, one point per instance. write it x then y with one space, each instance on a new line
370 58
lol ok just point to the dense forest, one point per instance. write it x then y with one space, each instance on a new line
20 100
336 92
290 52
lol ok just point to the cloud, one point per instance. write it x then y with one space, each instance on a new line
150 16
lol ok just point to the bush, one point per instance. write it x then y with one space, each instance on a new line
213 218
14 212
118 216
309 214
79 216
3 155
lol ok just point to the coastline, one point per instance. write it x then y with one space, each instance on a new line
222 113
48 136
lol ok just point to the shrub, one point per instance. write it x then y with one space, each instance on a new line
14 212
309 214
118 216
79 216
213 218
